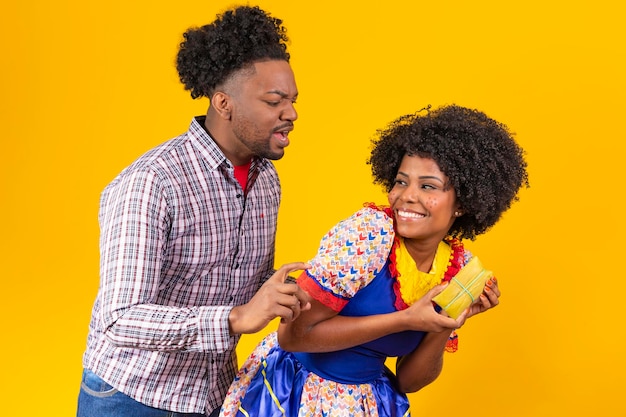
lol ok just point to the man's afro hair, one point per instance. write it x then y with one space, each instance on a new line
237 38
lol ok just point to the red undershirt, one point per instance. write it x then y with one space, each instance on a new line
241 174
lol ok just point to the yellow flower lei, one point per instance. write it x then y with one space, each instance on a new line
414 284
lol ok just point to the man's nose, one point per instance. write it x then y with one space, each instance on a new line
289 113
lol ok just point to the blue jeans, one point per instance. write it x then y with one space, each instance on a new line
99 399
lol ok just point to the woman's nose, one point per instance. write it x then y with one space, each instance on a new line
409 194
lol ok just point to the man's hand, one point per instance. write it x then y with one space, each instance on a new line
275 298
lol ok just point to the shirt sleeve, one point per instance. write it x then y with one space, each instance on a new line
350 255
134 228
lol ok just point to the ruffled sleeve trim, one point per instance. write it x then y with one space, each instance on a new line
313 288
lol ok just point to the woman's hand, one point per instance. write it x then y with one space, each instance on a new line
422 316
489 298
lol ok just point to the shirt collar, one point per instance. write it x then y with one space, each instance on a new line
211 152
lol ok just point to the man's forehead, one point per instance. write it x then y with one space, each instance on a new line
274 77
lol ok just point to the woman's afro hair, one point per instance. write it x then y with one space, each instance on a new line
483 162
237 38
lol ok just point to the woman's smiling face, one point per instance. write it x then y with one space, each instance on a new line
423 201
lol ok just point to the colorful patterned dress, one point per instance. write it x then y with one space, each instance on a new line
351 273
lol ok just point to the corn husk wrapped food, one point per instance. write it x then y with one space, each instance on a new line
463 288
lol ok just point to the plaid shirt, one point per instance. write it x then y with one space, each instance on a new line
180 246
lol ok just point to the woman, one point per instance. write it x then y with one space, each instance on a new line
450 174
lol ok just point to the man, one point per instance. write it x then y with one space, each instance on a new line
188 233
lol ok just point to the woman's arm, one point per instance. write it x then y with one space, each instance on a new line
321 329
424 364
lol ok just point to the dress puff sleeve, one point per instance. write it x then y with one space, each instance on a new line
349 257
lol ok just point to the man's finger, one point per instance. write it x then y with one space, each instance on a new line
304 298
283 272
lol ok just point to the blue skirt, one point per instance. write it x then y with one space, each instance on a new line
273 382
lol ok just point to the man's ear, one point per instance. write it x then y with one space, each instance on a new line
222 104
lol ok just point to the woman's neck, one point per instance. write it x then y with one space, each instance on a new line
423 252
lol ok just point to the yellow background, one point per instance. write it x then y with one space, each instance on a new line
89 86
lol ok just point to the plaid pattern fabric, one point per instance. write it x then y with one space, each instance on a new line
180 245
